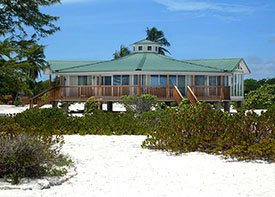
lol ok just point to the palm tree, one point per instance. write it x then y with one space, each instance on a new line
156 35
122 52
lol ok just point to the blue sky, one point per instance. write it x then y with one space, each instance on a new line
94 29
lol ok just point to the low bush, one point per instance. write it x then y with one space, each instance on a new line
139 104
91 105
201 128
17 103
28 154
261 98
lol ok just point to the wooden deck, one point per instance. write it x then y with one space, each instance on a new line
114 93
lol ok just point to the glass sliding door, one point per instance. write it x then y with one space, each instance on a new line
82 80
163 80
154 80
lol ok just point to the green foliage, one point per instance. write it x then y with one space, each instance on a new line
16 15
124 51
139 104
201 128
253 84
156 35
91 105
27 154
184 102
17 103
262 98
47 120
21 57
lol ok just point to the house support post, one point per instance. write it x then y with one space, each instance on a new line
54 104
226 106
109 106
218 105
239 104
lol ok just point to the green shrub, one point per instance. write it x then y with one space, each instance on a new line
44 120
139 104
201 128
91 105
27 155
261 98
17 103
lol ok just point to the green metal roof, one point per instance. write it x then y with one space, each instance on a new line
146 42
146 62
228 64
57 65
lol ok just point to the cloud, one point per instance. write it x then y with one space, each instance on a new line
261 69
191 5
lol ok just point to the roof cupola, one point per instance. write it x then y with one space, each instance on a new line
146 46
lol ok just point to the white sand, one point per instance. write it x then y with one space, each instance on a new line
118 166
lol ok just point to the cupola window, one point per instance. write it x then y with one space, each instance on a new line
140 48
149 48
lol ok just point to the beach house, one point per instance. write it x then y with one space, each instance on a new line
145 71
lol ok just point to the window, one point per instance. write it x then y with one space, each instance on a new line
107 80
121 80
156 49
214 80
172 79
199 80
116 80
82 80
163 80
181 84
125 79
134 48
154 80
140 48
149 48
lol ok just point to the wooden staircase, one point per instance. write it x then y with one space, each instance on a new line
190 95
49 96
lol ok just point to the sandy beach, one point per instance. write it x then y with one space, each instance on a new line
118 166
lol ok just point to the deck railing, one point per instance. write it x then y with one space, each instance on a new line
212 92
114 92
109 91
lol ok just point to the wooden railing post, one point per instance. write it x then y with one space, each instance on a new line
99 83
222 89
168 86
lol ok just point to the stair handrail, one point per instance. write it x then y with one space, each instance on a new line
39 95
176 92
44 92
192 93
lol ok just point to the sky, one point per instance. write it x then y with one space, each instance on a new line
94 29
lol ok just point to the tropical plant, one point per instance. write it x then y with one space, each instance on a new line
21 57
91 105
16 15
124 51
261 98
139 104
156 35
